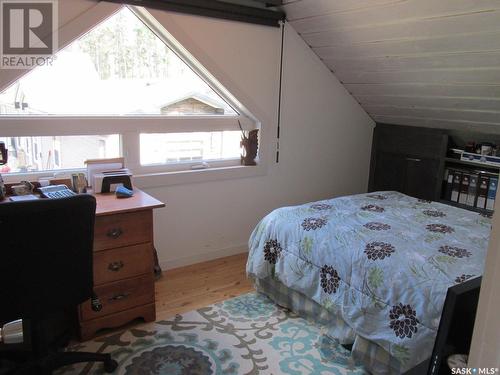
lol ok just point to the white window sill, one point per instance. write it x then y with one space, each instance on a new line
152 180
159 179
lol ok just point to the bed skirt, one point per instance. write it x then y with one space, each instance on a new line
375 359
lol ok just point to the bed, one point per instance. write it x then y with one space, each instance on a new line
373 268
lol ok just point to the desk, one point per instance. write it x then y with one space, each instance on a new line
123 263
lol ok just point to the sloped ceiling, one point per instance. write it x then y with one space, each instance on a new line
433 63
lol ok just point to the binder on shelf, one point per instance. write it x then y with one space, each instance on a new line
471 196
464 188
455 188
482 191
449 183
492 192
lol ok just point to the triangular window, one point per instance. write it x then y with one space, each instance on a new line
119 68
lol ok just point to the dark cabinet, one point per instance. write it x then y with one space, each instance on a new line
423 178
408 160
416 161
390 171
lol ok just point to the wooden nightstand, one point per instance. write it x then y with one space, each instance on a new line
123 263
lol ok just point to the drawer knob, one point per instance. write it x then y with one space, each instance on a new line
116 266
119 297
114 233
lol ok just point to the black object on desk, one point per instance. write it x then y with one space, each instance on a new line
123 179
46 270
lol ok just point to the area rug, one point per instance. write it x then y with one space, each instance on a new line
248 334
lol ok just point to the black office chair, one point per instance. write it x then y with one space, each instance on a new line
45 272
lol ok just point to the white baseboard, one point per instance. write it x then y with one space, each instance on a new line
198 258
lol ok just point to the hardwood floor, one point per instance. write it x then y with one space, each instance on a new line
191 287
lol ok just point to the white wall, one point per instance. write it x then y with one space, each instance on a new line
325 135
325 138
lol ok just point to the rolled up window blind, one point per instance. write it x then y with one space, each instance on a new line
262 12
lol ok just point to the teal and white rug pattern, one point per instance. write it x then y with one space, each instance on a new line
248 334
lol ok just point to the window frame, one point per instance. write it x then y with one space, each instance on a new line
130 127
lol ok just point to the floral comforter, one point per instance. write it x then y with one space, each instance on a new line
381 261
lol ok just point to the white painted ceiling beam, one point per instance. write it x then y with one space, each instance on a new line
408 29
405 63
424 89
479 42
492 117
488 104
487 76
311 8
441 123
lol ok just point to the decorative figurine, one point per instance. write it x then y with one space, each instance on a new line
250 145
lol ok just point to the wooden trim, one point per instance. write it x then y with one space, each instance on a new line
270 2
212 8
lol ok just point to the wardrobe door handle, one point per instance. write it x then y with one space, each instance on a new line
413 159
114 233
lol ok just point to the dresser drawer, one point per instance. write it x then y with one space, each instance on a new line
123 263
120 296
123 229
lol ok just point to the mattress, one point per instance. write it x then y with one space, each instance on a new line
380 262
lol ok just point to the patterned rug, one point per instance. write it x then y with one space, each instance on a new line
248 334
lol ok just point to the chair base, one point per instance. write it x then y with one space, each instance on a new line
45 366
69 358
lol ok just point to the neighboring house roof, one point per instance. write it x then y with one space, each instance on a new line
197 96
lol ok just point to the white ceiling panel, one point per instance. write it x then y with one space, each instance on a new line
450 76
407 63
487 104
427 62
457 43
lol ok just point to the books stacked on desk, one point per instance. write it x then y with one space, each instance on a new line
471 188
